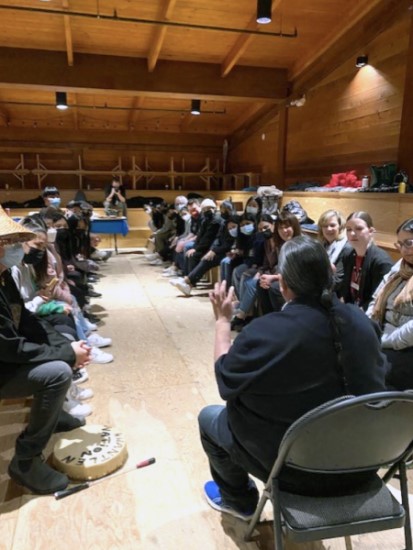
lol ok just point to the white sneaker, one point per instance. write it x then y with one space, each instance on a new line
158 261
99 341
151 257
170 272
90 326
80 394
80 376
181 285
75 408
100 357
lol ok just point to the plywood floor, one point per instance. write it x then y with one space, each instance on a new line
161 378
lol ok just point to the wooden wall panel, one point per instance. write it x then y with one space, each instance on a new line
351 119
259 155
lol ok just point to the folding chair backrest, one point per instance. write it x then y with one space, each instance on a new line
351 434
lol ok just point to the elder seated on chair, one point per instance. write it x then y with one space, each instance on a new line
281 366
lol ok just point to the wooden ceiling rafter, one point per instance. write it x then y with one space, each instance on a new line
363 24
160 32
42 70
242 43
68 34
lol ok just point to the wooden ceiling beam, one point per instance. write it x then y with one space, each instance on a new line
137 103
68 34
242 43
42 70
363 24
160 33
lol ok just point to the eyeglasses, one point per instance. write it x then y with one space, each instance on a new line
408 243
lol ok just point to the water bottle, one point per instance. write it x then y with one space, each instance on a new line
365 182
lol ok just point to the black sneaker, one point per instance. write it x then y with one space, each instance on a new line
237 324
36 475
93 294
67 422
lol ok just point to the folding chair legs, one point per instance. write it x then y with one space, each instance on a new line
405 503
257 514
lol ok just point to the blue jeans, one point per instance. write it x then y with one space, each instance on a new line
48 383
238 490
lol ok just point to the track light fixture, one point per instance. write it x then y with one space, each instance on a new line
196 107
61 101
362 61
264 11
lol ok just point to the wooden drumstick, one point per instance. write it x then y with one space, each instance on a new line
81 486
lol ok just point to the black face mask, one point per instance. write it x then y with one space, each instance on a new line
34 256
225 215
267 233
208 215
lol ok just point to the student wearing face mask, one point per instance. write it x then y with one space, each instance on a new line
115 199
250 250
250 278
269 296
253 207
51 198
243 249
203 251
35 361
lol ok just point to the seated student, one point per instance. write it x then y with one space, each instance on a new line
31 276
207 233
51 198
115 199
392 307
221 245
281 366
253 206
185 241
365 266
332 235
171 226
35 361
268 290
249 252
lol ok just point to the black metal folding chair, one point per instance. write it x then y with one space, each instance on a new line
349 434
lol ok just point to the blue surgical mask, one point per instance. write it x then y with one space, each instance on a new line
13 255
247 229
55 201
233 231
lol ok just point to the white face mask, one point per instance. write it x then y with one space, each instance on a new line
252 210
13 255
233 232
51 234
186 217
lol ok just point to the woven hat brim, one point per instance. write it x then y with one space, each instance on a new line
12 232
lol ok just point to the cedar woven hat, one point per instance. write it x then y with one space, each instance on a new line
12 232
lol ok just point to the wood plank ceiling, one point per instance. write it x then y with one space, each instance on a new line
135 65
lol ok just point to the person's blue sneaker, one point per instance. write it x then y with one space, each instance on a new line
214 499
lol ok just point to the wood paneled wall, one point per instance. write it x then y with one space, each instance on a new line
259 153
351 119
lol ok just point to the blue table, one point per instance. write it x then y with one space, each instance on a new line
111 226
